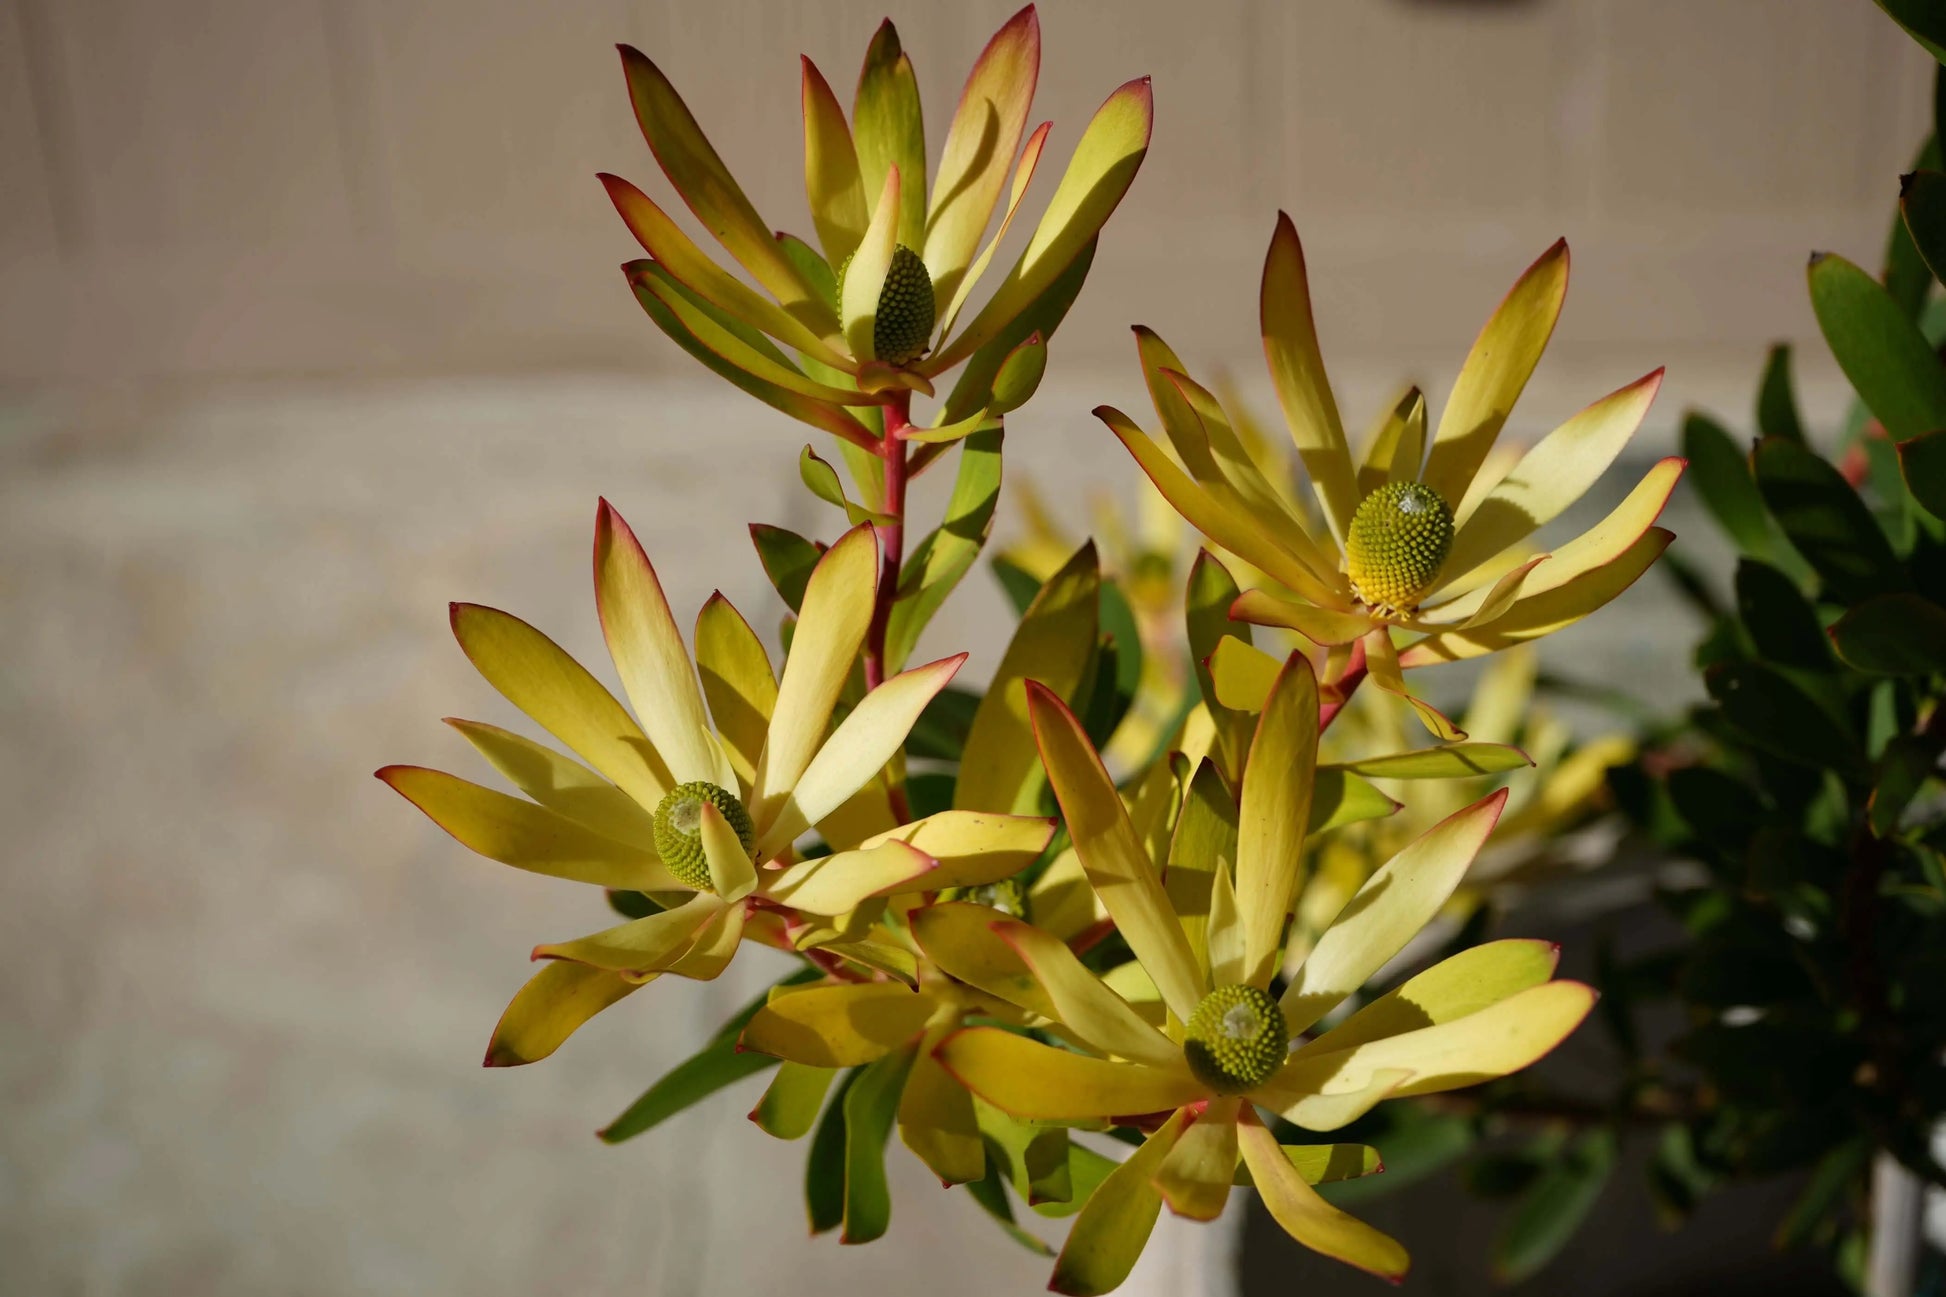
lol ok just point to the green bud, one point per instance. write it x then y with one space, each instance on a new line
679 829
1236 1039
1398 541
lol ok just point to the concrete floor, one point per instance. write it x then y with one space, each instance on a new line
246 989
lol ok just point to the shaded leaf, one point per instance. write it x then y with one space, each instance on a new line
1775 714
1894 370
870 1105
1779 619
1922 462
944 556
1554 1207
787 560
1776 404
1825 521
1722 476
1893 634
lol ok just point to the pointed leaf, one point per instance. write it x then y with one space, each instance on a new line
889 131
1103 166
1721 472
1117 866
1496 372
1893 634
870 1106
1297 370
980 146
831 180
1776 405
1888 360
1826 521
712 193
943 557
1108 1236
999 769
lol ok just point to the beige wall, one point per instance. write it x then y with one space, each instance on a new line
212 187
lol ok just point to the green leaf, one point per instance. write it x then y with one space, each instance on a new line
1885 487
991 1193
1922 202
1452 761
1909 761
1016 582
790 1106
1042 316
1554 1207
1826 522
1034 1159
1417 1143
1338 799
944 556
1889 362
1721 473
1837 1173
824 1165
822 479
1777 716
941 730
870 1106
1054 644
1781 623
1923 20
693 1079
697 1077
1922 462
1206 831
1893 634
1086 1170
1019 376
1776 406
819 414
1117 623
890 131
787 560
1907 276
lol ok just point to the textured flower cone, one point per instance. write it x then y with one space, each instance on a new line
684 798
871 310
1396 545
1460 576
1221 1051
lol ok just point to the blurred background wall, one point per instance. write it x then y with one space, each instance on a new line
310 322
199 188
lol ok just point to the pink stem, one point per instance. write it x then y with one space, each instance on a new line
891 537
1343 687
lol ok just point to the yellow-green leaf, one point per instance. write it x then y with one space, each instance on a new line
889 130
713 194
1496 372
1053 644
1103 166
980 146
831 180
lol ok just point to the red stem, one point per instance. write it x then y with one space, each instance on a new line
1343 687
891 535
891 539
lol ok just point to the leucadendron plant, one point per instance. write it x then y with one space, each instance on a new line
1022 958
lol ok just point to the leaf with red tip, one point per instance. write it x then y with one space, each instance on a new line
980 145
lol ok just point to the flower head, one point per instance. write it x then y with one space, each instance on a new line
1194 1063
873 312
1427 538
698 808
